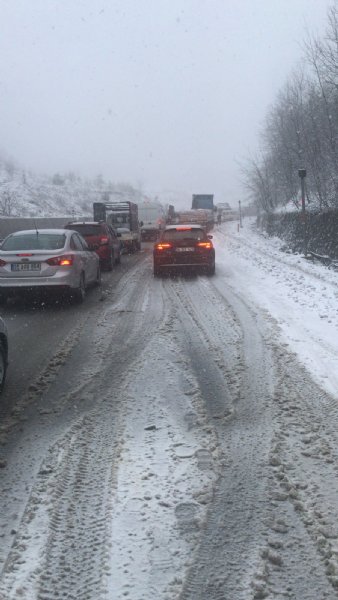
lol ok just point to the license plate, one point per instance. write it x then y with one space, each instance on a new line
185 249
26 266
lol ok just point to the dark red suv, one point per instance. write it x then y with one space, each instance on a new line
184 247
102 235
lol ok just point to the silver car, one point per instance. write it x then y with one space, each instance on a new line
46 259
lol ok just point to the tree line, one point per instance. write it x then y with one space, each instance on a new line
301 131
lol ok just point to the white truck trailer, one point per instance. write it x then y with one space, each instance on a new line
152 219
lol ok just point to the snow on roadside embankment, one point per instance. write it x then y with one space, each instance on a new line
302 297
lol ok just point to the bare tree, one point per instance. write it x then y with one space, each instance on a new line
8 203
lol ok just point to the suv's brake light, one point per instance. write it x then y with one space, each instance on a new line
163 246
60 261
104 240
2 263
204 245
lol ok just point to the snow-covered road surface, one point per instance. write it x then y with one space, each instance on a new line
302 297
190 454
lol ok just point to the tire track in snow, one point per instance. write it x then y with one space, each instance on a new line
244 550
234 528
72 495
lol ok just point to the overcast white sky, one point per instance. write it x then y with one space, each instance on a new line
170 94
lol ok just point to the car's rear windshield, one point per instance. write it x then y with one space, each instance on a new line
183 234
85 229
34 241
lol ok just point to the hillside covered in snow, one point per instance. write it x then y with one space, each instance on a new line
26 194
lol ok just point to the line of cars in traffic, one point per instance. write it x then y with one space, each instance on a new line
70 260
67 260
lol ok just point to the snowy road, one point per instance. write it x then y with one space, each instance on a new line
187 449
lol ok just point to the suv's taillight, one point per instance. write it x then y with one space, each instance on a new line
2 263
61 261
104 240
163 246
207 245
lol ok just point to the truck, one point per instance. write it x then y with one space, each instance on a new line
152 219
205 202
199 216
225 212
170 218
123 217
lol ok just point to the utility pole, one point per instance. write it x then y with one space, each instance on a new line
240 213
302 175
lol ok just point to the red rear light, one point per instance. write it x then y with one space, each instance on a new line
60 261
163 246
2 263
25 254
183 228
104 240
204 245
66 261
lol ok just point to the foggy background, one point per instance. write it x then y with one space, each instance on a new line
163 95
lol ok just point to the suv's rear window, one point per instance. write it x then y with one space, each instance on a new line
86 229
183 234
34 241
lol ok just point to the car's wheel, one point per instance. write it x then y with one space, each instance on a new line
110 262
79 293
3 365
211 270
118 258
157 271
98 276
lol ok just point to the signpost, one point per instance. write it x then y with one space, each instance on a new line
302 175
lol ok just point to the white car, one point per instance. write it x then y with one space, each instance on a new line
47 259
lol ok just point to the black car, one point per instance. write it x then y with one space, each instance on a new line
184 247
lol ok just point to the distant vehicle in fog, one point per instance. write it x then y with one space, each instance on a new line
203 201
225 212
120 215
152 219
199 216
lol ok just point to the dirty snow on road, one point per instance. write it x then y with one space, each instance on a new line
204 465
